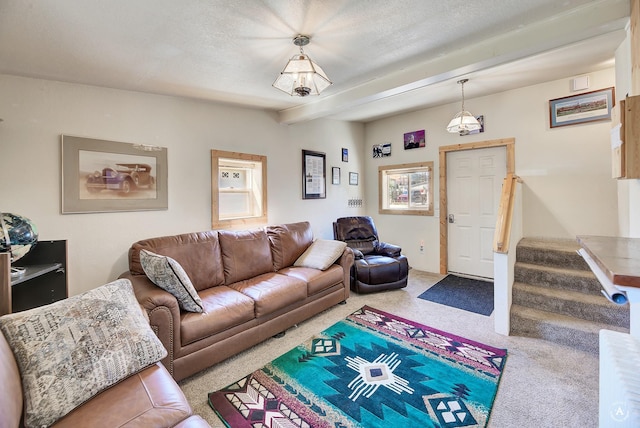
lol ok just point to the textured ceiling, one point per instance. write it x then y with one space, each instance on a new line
383 57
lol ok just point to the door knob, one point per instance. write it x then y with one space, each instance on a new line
451 218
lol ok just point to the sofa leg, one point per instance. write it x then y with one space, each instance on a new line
344 302
279 335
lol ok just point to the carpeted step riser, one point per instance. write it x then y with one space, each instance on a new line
565 280
550 257
604 312
575 338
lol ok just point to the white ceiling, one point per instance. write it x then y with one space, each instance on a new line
383 56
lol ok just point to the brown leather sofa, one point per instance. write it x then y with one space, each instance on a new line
248 285
378 265
150 398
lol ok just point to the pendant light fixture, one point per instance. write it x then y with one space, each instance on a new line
301 76
463 122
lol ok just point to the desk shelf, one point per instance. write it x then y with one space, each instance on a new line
44 280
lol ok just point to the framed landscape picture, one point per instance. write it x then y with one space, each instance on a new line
587 107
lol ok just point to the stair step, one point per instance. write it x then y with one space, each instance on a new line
560 253
570 331
555 277
571 303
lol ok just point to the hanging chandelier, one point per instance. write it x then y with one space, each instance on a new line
463 122
301 76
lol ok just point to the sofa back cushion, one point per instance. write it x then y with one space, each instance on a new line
245 254
198 254
288 242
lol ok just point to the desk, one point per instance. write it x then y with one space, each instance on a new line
619 260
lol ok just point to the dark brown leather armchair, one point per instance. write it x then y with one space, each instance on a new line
378 266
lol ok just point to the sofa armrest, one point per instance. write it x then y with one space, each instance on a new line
346 261
388 250
163 313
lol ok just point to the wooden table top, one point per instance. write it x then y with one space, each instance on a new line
619 258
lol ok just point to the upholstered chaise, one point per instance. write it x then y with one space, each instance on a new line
378 265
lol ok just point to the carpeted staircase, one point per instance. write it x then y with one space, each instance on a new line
556 296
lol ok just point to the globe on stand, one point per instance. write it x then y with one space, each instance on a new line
18 236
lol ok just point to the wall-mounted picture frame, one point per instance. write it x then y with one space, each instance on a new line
335 175
415 139
381 150
582 108
353 178
345 155
107 176
313 175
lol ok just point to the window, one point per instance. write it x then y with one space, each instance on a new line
406 189
238 189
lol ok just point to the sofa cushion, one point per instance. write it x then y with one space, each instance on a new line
224 308
198 254
72 349
288 242
321 254
245 254
317 280
167 274
272 292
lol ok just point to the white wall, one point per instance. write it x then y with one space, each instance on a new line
567 189
37 112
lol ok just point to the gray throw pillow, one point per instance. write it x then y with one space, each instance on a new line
70 350
167 274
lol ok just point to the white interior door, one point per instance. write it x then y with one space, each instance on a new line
474 184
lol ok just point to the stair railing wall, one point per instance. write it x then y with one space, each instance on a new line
504 261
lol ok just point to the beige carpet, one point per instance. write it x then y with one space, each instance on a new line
543 384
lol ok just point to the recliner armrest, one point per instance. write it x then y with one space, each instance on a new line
357 254
389 250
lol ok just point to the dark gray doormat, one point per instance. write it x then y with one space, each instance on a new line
471 295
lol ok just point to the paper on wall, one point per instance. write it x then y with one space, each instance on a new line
615 136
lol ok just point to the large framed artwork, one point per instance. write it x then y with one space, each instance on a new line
105 176
313 175
587 107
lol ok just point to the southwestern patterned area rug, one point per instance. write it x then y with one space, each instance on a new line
372 369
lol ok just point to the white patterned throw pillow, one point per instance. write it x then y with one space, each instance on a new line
167 274
321 254
72 349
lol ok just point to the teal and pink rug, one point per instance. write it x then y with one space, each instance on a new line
373 369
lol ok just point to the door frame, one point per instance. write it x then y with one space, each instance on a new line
509 143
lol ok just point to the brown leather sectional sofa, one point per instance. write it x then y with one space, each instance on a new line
248 285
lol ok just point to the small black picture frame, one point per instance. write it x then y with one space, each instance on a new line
345 155
335 175
353 178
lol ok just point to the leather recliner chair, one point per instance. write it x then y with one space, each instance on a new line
378 265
